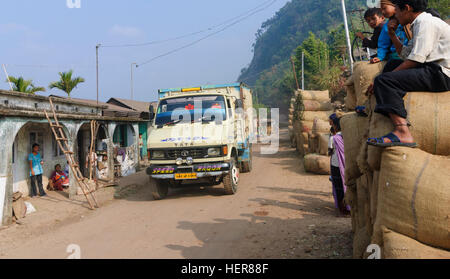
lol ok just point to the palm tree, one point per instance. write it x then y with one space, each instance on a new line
66 83
22 85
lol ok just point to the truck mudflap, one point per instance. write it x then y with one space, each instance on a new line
200 170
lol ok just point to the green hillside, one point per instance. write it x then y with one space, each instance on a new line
312 26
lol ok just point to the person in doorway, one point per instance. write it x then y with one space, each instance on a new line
58 179
338 166
141 147
36 171
426 69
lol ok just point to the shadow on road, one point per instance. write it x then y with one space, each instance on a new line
266 238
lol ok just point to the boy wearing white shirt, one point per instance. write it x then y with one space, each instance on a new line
426 68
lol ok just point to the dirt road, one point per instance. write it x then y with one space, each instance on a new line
278 212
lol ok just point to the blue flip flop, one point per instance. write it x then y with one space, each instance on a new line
360 110
395 141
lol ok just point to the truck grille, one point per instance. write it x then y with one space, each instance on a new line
195 153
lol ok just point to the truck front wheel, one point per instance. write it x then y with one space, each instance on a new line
231 179
159 189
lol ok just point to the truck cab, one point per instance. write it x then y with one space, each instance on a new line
201 134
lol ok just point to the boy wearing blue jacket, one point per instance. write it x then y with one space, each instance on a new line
386 49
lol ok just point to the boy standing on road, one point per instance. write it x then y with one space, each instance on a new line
36 171
426 68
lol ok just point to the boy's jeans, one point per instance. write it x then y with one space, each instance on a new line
36 179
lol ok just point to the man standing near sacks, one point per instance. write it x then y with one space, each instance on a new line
426 68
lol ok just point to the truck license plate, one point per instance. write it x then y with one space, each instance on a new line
181 176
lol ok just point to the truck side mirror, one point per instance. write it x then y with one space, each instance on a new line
239 104
152 112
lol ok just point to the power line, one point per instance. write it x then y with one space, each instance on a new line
189 34
207 36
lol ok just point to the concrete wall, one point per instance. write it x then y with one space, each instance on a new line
15 100
15 177
22 146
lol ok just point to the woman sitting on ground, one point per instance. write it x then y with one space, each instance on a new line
58 179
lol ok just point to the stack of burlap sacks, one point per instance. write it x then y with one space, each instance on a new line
400 197
310 129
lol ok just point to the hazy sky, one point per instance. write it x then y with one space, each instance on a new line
39 38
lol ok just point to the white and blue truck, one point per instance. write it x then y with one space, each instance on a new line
201 134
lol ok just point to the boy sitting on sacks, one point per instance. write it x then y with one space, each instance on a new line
426 68
386 49
375 18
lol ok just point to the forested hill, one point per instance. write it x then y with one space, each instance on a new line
312 27
280 35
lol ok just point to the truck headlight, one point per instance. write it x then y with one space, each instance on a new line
158 155
215 151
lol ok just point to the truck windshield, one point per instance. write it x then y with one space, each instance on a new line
191 108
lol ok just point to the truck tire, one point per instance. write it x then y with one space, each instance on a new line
248 166
231 180
159 189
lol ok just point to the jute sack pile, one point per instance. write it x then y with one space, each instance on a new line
320 126
350 99
354 132
397 246
364 74
414 196
351 199
429 114
317 164
323 143
311 115
313 143
317 105
313 95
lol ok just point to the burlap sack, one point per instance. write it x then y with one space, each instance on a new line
313 95
361 240
363 204
397 246
315 105
354 132
18 206
429 114
364 74
414 196
350 98
317 164
351 199
306 126
373 192
320 126
311 115
313 143
301 140
324 140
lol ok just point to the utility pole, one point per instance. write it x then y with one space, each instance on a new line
303 70
96 56
347 34
132 64
7 77
295 73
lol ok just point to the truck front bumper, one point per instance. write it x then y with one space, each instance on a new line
202 170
